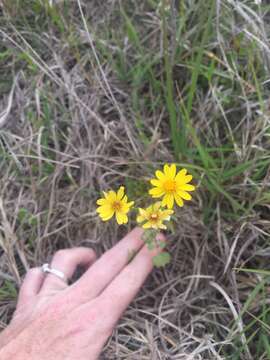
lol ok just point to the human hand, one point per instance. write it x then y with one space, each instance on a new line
56 321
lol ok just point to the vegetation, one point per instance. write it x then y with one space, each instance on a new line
92 92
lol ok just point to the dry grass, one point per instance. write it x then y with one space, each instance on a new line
91 95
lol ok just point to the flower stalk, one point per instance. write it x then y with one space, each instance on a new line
171 187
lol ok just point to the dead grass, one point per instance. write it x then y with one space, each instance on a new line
91 96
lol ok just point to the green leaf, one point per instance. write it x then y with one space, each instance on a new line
8 291
162 244
149 235
22 214
150 245
162 259
131 31
256 271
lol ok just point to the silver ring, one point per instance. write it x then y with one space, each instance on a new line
47 269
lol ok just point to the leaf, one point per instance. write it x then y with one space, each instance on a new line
256 271
131 31
22 214
149 235
162 259
150 245
162 244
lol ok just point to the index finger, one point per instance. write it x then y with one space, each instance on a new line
118 295
105 269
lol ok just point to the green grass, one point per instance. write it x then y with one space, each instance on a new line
256 321
8 292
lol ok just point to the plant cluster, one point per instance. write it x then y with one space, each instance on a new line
170 186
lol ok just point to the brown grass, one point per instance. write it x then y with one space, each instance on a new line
71 126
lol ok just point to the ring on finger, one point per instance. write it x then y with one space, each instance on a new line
46 268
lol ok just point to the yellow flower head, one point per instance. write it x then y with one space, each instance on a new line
153 216
114 204
172 186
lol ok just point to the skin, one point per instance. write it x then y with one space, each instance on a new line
54 321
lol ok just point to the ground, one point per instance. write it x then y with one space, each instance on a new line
98 94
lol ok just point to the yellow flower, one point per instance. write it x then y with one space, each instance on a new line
114 204
153 216
172 186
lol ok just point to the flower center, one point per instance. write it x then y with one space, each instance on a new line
154 217
116 206
169 186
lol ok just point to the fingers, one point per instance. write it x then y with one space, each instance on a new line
67 261
31 285
122 290
108 266
119 294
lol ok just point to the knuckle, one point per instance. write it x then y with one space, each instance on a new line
61 253
69 252
86 250
92 253
32 271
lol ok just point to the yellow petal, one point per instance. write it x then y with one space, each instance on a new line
166 169
164 200
168 201
156 192
120 193
143 215
188 187
101 201
187 178
121 218
160 175
184 195
166 215
111 196
183 181
142 211
140 218
157 205
126 207
178 200
104 208
124 199
172 171
181 174
155 182
147 225
149 211
107 217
